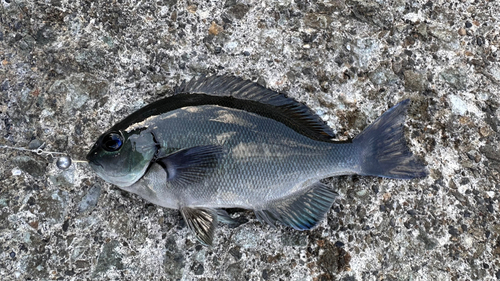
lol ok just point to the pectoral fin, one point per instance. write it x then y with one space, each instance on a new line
201 222
191 165
302 210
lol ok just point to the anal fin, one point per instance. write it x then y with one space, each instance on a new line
202 223
302 210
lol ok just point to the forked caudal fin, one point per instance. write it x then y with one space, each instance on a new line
384 150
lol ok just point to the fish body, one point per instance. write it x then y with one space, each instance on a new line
223 142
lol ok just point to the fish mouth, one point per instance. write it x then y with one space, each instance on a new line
92 160
95 163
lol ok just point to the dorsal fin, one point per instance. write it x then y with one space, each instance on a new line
234 92
284 109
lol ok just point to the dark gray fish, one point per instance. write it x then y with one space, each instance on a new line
223 142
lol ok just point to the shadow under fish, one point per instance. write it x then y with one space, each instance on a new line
224 142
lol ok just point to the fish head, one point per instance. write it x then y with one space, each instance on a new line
121 157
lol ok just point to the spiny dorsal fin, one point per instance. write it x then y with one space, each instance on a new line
269 103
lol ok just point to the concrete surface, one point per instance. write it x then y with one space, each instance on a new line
70 69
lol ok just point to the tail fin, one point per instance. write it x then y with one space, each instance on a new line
384 150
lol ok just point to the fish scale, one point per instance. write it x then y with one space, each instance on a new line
263 173
268 178
223 142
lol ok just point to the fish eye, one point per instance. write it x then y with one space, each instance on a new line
112 142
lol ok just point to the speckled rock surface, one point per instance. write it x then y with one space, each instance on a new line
70 69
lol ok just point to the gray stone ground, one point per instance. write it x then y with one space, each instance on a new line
70 69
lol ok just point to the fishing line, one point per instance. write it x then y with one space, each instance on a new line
63 162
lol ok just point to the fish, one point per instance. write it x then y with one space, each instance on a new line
223 142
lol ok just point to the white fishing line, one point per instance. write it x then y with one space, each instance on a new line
63 162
